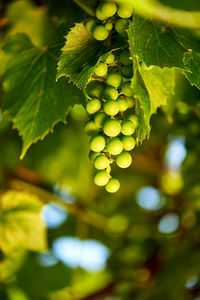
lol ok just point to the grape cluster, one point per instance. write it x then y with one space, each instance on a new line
110 104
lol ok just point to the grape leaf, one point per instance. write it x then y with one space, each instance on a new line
80 55
32 97
21 225
192 63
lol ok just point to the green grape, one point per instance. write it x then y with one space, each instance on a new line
114 79
126 89
101 162
121 25
131 102
127 127
106 10
110 93
108 26
100 33
90 128
115 146
124 160
127 71
95 89
101 177
78 113
125 58
111 108
99 118
112 128
92 155
128 142
97 143
112 186
101 70
110 59
90 25
125 10
134 119
123 104
93 106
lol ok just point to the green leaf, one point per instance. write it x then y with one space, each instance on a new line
21 225
160 84
192 63
32 97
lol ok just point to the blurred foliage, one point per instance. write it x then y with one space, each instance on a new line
154 243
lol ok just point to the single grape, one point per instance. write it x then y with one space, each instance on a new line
106 10
92 155
126 89
93 106
127 71
95 89
128 142
115 146
78 113
123 104
110 93
90 128
97 143
124 160
127 127
121 25
111 108
101 69
108 26
110 59
112 186
112 128
114 79
100 33
101 177
134 119
90 25
125 58
131 102
125 10
99 119
101 162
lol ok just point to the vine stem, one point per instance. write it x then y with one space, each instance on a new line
85 7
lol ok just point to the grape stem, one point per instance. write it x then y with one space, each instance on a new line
85 7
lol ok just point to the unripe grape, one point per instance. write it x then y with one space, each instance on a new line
115 146
93 106
110 59
99 118
127 71
124 160
108 26
126 89
92 155
97 143
128 142
125 10
101 69
128 127
121 25
134 119
114 79
106 10
90 128
101 177
125 58
90 25
111 108
100 33
95 89
101 162
123 104
110 93
112 186
131 102
112 128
